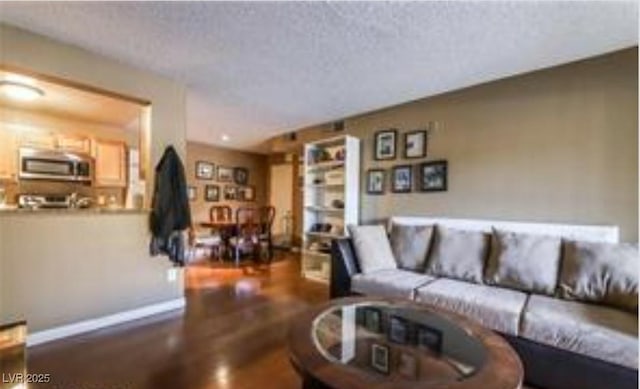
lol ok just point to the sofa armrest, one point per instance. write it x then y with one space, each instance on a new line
344 265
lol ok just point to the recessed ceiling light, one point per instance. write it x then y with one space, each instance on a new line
225 138
20 92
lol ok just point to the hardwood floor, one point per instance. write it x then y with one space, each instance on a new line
231 335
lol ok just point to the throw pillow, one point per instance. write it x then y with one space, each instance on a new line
372 248
601 272
524 261
410 245
458 254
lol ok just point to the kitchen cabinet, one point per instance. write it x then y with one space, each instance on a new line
38 140
8 156
110 164
76 144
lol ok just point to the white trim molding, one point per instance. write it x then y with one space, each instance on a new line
101 322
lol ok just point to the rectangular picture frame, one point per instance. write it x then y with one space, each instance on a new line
230 193
241 175
212 193
433 176
399 330
373 320
385 145
192 193
247 193
205 170
379 358
415 144
224 174
402 179
376 179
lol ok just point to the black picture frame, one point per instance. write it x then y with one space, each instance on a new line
380 355
247 193
433 176
373 320
212 193
411 150
399 330
241 175
385 145
192 193
205 170
379 175
230 193
402 179
429 338
224 174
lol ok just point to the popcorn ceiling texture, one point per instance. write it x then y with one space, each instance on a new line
255 70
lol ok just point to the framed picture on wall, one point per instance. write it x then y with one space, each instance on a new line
204 170
380 358
212 193
230 193
401 178
433 176
225 174
375 181
192 193
247 193
415 144
385 144
241 175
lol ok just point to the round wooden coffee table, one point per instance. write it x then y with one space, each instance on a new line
371 343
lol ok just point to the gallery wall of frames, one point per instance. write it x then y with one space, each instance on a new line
218 176
414 172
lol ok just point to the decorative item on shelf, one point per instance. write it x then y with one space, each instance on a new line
337 229
321 227
375 181
230 193
402 178
241 175
318 181
212 193
339 154
192 193
334 177
204 170
415 144
433 176
337 204
247 193
385 144
225 174
319 155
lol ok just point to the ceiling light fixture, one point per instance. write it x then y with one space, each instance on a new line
19 91
225 138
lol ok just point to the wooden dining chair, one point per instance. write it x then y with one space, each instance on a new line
267 215
247 232
220 213
214 239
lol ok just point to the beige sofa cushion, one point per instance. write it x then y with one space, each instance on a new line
410 245
372 248
493 307
595 331
458 254
393 283
601 272
524 261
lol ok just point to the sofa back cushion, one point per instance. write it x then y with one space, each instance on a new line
372 248
524 261
410 245
458 254
601 272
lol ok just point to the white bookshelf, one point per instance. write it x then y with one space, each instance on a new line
324 182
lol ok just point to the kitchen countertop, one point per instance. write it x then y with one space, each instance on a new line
70 211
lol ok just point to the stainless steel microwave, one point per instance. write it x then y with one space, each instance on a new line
53 165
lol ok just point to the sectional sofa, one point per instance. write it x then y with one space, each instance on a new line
564 296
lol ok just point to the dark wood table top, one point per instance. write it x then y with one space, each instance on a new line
501 367
217 224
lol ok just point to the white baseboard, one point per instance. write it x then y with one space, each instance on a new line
101 322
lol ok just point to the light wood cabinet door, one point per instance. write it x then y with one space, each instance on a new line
111 164
38 140
8 156
76 144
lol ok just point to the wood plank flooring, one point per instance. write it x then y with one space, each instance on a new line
231 335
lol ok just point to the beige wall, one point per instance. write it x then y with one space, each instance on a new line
257 165
558 145
59 270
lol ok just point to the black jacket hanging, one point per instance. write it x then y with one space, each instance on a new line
170 213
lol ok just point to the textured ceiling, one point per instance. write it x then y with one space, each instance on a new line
257 69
